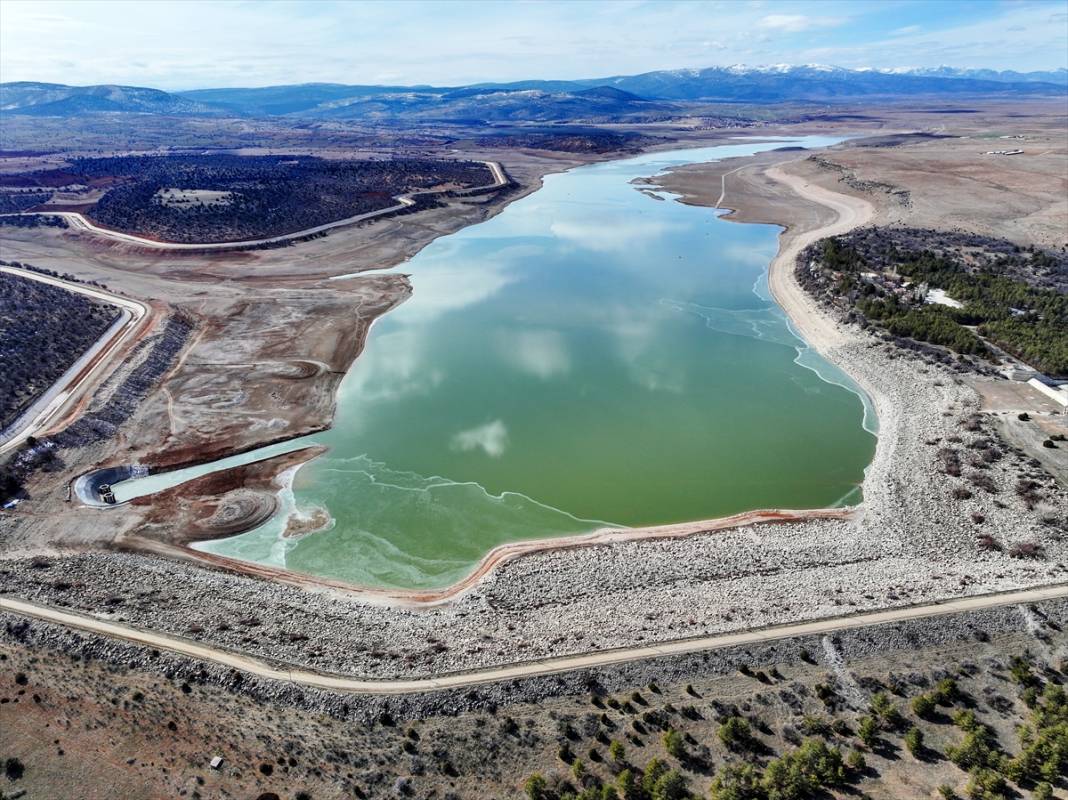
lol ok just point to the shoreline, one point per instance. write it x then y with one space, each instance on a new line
811 325
912 542
780 270
503 554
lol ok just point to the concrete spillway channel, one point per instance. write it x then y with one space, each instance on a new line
90 488
131 481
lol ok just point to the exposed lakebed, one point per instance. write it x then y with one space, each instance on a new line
590 357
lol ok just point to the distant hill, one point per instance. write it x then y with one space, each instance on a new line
57 100
293 99
648 95
1055 76
534 100
813 82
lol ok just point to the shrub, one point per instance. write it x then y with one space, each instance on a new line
617 751
737 782
735 734
946 692
983 481
578 769
886 709
923 706
856 761
950 461
669 786
975 750
815 726
13 769
867 731
804 772
674 744
1026 550
986 784
627 785
654 771
536 787
914 740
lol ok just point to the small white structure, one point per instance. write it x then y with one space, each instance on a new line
216 762
939 297
1058 394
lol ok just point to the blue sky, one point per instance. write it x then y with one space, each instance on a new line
175 44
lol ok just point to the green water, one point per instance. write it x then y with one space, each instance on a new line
590 356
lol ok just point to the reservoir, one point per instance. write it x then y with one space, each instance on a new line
592 356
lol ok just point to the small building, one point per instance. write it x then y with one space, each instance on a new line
216 762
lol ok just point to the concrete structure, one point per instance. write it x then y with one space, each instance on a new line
1020 374
1058 394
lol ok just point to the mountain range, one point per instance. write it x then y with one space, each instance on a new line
648 95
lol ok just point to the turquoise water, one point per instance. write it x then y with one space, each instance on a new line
591 356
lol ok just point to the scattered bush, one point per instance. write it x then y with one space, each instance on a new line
736 734
536 787
14 769
867 731
923 706
914 740
1026 550
674 744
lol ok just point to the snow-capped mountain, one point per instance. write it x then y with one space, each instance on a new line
651 94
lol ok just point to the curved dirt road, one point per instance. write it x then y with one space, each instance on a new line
88 366
80 222
320 680
818 329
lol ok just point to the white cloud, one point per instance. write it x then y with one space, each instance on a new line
492 438
172 44
540 353
795 23
612 234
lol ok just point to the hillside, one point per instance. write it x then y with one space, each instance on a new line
815 83
57 100
648 95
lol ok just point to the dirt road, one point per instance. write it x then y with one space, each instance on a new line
818 329
90 365
341 683
80 222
